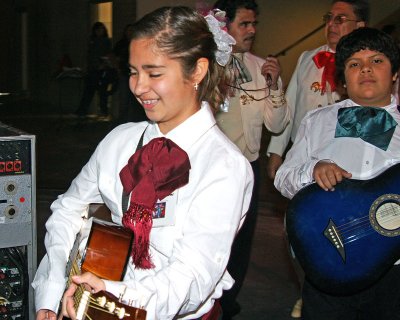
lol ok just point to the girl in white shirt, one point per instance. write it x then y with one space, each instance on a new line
177 74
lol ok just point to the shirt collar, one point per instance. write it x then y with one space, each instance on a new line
389 107
189 131
325 47
239 55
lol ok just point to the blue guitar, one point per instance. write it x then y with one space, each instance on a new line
347 239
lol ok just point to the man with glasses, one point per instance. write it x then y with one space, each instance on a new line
313 83
256 98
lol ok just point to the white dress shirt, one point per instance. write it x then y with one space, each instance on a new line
302 97
244 120
190 257
315 141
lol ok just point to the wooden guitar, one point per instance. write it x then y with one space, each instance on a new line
106 255
347 239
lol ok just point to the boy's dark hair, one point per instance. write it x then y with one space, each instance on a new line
360 8
362 39
231 6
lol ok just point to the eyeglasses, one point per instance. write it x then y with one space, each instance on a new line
339 19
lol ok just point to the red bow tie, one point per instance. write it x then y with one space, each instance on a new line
326 60
152 173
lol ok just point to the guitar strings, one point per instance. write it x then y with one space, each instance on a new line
391 215
360 227
78 293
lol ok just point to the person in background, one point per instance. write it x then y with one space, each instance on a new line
129 108
256 98
177 268
327 151
312 84
101 73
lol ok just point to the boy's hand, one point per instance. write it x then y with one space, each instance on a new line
328 174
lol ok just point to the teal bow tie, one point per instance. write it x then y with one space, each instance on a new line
373 125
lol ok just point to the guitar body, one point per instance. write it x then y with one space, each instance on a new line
106 255
107 250
347 239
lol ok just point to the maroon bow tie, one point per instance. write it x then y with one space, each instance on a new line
326 60
152 173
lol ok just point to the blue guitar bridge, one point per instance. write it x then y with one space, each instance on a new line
333 235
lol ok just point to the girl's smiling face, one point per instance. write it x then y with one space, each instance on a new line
157 81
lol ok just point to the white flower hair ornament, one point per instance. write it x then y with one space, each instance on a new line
216 23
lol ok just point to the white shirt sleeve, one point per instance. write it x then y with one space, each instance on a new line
275 117
62 227
297 170
278 143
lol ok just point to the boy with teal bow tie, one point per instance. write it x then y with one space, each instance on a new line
358 138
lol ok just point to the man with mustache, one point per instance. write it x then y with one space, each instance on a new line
256 98
312 84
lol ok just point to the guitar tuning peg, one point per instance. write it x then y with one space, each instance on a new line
120 313
110 306
101 301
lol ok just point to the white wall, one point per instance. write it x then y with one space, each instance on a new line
283 22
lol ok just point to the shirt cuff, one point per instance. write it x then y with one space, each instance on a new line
277 98
277 92
127 295
115 288
44 300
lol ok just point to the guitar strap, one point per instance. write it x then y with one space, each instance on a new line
125 197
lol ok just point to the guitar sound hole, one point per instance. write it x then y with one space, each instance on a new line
388 215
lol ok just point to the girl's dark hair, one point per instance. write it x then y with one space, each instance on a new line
362 39
182 34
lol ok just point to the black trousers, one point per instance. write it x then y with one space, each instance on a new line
241 250
380 301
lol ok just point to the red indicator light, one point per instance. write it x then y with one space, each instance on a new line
9 166
17 165
22 199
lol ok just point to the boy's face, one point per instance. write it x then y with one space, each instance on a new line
369 78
